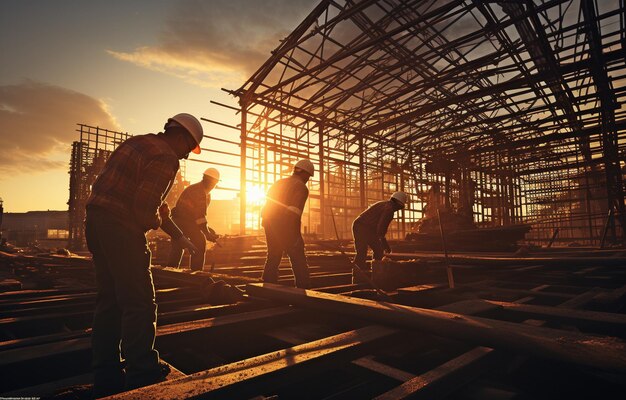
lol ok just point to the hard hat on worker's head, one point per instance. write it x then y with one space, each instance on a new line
306 166
191 124
212 173
400 197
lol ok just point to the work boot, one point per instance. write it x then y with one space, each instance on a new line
108 382
149 377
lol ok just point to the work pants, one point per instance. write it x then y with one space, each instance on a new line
280 241
364 237
192 231
125 304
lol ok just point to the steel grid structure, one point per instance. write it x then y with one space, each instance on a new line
523 97
89 155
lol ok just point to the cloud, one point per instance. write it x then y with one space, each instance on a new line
37 121
218 43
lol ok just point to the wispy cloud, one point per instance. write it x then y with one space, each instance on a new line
38 119
218 43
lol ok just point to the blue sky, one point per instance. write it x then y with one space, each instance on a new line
122 65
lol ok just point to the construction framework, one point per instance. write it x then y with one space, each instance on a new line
523 98
89 154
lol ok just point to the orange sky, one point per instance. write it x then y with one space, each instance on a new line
123 66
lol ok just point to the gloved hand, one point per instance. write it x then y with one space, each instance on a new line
211 236
186 244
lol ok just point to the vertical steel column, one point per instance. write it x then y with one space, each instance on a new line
242 172
362 188
608 103
321 178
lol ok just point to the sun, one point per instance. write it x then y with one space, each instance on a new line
255 195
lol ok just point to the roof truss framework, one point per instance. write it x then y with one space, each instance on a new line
521 86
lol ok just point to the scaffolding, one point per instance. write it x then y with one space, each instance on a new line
522 98
89 154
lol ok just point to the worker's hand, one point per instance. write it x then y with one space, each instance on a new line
387 249
211 236
186 244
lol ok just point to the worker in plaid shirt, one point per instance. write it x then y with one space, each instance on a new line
126 202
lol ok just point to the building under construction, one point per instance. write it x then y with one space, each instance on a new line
516 289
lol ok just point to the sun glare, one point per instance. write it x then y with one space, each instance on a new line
255 195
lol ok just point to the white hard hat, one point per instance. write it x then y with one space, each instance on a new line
401 197
305 165
212 173
191 124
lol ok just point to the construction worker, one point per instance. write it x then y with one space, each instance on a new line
281 221
190 216
370 228
127 201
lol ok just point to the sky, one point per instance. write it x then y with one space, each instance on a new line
125 66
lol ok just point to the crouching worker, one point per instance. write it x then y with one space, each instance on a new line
281 219
126 202
369 230
190 216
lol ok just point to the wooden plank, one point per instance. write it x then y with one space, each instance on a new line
49 349
590 350
468 307
563 313
419 288
439 382
175 373
582 299
369 363
220 378
444 379
295 335
569 262
45 389
170 317
615 296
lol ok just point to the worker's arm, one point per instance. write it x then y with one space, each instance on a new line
295 210
208 232
167 224
156 180
170 227
383 224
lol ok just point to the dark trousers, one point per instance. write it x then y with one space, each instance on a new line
364 237
125 305
278 242
193 232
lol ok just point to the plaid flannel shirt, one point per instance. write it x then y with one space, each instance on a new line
192 204
135 181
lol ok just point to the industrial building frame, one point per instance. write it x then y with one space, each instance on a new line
525 98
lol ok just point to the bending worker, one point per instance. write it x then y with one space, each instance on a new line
281 221
127 201
190 216
370 228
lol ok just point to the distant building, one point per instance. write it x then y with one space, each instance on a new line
42 228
